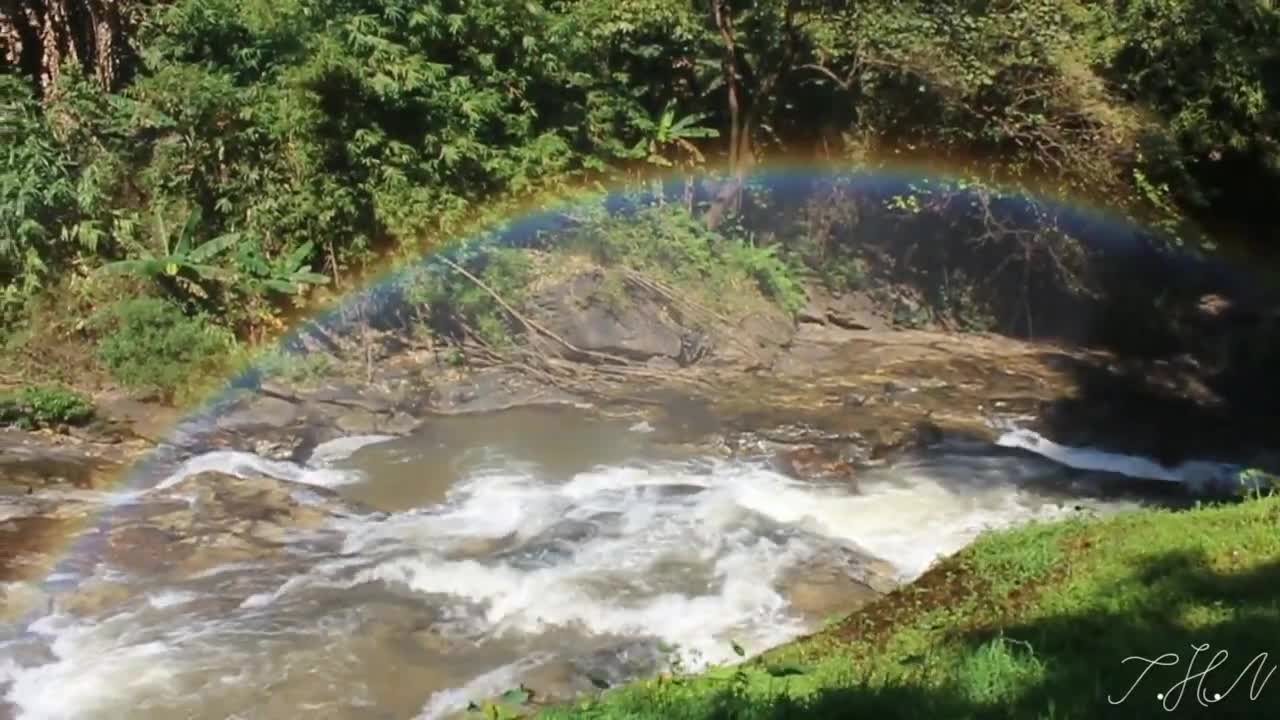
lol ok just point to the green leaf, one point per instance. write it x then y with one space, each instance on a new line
311 278
189 231
214 247
281 286
299 256
516 696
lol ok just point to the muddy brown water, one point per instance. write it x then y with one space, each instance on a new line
557 548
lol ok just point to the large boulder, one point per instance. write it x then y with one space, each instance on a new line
597 314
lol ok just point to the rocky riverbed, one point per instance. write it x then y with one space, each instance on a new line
743 482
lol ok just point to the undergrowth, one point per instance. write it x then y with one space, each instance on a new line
37 406
149 344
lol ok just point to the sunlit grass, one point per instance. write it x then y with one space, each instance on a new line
1034 622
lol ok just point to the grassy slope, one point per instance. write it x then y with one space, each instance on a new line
1030 623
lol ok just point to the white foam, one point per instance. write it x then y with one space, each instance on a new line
691 555
1199 475
608 587
641 427
91 673
448 702
169 598
244 465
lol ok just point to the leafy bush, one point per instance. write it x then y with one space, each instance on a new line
293 367
666 241
453 298
672 244
770 272
45 406
149 343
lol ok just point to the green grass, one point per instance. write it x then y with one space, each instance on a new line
1034 622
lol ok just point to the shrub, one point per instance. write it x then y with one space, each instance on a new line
149 343
677 247
771 274
449 294
45 406
293 367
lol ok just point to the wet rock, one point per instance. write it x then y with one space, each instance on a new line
857 400
813 463
25 543
18 599
357 422
370 398
278 448
39 459
94 597
563 680
493 390
477 547
226 519
811 315
435 642
261 412
839 580
399 424
551 546
820 596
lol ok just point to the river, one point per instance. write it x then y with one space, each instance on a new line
552 547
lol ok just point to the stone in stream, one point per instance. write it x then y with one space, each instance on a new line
564 679
810 462
227 519
32 459
837 580
551 546
94 596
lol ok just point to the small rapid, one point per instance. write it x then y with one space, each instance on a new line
458 572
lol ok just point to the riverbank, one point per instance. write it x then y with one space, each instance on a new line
1034 622
820 427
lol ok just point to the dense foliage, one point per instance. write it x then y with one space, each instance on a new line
237 153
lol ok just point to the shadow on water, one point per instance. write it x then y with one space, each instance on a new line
1079 660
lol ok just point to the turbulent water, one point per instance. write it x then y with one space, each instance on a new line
532 548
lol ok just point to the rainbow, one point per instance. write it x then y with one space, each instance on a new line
517 221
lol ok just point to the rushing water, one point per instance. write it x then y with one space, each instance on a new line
532 546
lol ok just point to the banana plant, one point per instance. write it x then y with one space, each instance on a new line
291 274
665 132
668 136
183 263
259 277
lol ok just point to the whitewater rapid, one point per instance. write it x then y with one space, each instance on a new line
512 571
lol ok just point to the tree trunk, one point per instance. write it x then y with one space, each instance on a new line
37 37
745 104
724 23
